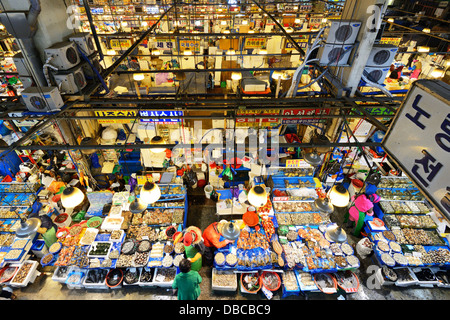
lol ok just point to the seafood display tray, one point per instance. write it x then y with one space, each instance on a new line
230 287
31 276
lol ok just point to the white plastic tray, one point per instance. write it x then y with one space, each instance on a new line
89 285
31 276
112 223
231 287
88 230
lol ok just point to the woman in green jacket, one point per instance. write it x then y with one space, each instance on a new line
187 282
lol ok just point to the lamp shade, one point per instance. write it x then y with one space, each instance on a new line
324 205
137 206
335 233
313 158
157 140
28 227
257 196
150 193
339 196
230 231
71 197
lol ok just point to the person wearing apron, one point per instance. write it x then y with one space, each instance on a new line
47 229
194 247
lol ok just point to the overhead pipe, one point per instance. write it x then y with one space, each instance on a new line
185 146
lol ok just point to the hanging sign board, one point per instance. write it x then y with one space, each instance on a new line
120 44
302 112
165 44
164 116
193 45
393 41
418 140
116 113
264 122
255 43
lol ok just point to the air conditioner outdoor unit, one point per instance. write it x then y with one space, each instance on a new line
42 99
342 31
334 55
85 41
376 75
382 55
70 83
65 55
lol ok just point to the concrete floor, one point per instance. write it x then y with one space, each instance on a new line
202 213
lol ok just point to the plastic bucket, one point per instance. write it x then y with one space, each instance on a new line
278 280
208 190
39 248
63 220
245 290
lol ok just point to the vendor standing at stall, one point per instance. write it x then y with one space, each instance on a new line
212 239
194 247
362 207
47 229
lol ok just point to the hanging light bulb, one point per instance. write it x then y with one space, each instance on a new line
187 52
277 74
231 51
257 196
138 76
245 22
71 197
262 51
437 73
251 31
236 76
157 140
289 30
339 196
391 20
297 20
227 31
423 49
223 23
110 52
156 52
426 30
150 193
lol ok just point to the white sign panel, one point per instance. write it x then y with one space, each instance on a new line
419 140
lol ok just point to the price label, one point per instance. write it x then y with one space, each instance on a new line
267 292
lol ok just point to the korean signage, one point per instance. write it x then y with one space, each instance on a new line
264 122
164 44
393 41
116 113
120 44
302 43
255 43
193 45
297 163
164 116
418 140
303 112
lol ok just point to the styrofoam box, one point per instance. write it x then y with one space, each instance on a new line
31 276
161 284
146 284
407 283
61 279
88 285
132 269
231 287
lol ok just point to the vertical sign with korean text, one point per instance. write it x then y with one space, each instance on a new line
418 140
